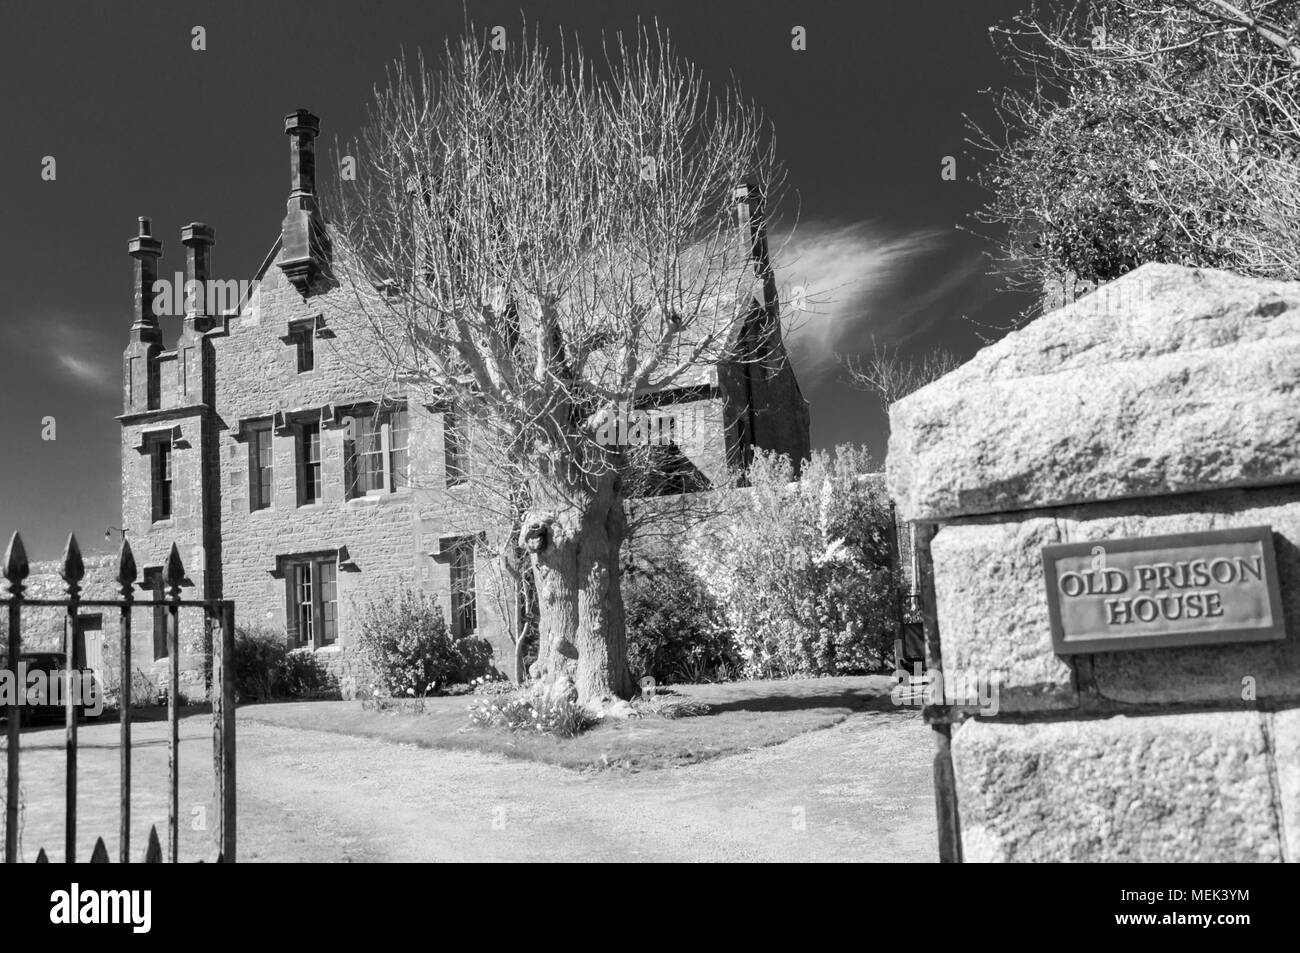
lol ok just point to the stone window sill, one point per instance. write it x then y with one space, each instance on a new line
374 498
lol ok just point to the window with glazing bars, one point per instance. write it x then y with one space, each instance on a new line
313 596
309 470
260 471
464 608
160 453
377 455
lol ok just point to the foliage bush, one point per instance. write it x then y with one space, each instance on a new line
676 631
303 676
803 568
266 668
407 645
259 661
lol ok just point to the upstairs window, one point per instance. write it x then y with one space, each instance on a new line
377 456
261 481
309 470
160 466
455 446
302 335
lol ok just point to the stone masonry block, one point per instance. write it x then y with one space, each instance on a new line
1166 788
1168 380
993 617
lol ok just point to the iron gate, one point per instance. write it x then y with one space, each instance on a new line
222 692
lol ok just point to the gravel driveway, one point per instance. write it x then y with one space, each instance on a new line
858 791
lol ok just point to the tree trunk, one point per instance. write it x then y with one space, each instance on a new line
575 545
521 649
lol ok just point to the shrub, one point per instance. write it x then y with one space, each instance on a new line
676 631
259 661
145 691
303 676
407 645
803 568
490 686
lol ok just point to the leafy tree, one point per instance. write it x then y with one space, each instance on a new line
1146 130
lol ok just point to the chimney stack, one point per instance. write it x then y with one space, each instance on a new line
751 216
146 250
302 128
305 245
140 359
198 239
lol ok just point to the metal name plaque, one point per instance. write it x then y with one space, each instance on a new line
1204 588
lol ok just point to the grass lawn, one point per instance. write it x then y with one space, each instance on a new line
742 716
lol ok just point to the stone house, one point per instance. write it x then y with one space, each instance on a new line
254 446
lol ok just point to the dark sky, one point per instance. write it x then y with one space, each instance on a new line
140 124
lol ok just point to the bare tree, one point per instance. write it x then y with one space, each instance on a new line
539 239
1146 130
887 374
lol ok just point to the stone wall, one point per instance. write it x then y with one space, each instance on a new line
1162 403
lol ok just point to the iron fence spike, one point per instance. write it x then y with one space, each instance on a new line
74 570
126 571
15 559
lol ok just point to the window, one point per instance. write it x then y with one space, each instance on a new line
303 337
399 460
309 476
160 464
313 601
455 446
260 478
464 611
153 582
377 457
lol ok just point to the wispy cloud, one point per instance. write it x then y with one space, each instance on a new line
72 350
862 281
81 369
